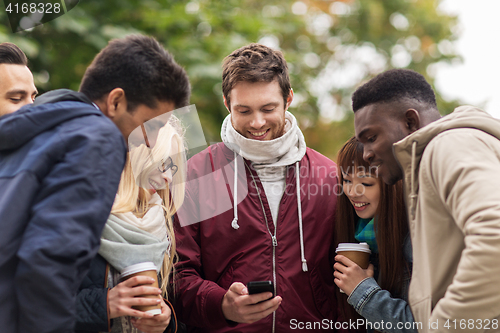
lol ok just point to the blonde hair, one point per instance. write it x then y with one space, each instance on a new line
141 162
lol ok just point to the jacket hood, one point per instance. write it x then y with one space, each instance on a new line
462 117
409 151
21 126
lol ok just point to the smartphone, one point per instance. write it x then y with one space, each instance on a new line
257 287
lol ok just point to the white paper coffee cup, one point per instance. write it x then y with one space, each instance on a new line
359 253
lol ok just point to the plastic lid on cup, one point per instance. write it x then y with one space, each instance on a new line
154 312
361 247
140 267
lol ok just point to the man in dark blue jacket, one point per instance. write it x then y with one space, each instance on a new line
60 165
17 87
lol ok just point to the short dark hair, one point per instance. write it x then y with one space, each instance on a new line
145 71
255 63
12 54
392 85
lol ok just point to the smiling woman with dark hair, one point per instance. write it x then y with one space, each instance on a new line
370 211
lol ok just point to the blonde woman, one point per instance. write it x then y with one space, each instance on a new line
139 229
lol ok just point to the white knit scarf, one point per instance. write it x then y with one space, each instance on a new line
153 221
127 240
271 155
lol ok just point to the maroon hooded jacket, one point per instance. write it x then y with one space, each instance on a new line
213 254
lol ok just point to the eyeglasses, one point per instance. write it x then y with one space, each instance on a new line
164 165
168 164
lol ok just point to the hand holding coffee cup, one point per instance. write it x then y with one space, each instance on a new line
138 294
158 323
147 269
349 273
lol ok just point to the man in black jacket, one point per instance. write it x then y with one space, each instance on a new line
60 165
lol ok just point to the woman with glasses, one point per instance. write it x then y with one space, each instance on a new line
138 230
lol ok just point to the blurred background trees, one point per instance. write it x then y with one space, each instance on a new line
331 47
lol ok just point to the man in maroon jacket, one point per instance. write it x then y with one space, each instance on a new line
259 206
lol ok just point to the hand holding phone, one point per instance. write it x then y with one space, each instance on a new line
257 287
239 306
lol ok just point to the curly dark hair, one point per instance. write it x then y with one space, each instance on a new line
145 71
392 85
255 63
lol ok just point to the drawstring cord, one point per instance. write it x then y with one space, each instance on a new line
234 224
302 255
413 195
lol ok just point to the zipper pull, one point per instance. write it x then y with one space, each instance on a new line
275 241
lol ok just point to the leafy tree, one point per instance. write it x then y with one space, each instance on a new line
331 47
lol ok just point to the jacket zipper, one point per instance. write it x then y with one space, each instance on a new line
273 238
275 244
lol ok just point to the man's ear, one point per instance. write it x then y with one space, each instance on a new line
115 103
225 103
289 99
412 120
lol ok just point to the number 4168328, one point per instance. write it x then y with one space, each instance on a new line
25 8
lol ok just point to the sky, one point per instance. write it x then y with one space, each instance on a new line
476 80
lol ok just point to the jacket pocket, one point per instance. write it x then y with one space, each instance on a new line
323 294
421 311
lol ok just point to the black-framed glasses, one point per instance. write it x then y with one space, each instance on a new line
168 164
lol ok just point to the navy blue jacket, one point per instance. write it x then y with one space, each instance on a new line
92 299
60 165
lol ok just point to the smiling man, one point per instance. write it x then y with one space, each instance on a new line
280 230
16 81
450 167
60 164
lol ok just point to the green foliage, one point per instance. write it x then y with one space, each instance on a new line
331 47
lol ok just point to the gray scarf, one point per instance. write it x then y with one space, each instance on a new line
123 244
